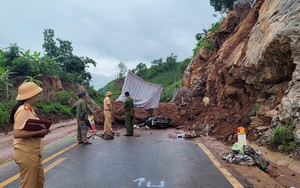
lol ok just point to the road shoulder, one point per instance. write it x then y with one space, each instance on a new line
277 176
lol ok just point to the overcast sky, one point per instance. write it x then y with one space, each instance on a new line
109 31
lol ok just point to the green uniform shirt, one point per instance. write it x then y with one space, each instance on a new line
128 105
81 108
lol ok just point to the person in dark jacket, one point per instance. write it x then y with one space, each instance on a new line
129 114
81 110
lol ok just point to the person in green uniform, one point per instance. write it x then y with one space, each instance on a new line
81 110
129 114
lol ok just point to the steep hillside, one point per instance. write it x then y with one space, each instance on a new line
251 76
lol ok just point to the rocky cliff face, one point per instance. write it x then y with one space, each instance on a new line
255 62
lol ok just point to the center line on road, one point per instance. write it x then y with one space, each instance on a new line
59 153
13 178
52 165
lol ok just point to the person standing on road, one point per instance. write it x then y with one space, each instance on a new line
81 110
107 106
129 114
27 146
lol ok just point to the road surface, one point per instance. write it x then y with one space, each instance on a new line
155 159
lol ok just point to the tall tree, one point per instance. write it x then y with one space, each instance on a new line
140 67
49 43
157 62
65 48
12 52
123 69
171 61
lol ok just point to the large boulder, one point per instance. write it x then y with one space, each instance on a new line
99 116
140 115
182 97
273 55
169 110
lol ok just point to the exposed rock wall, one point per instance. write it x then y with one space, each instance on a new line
256 60
273 55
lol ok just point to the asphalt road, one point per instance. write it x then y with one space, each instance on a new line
155 159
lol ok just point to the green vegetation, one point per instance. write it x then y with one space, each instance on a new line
123 69
256 106
114 86
203 40
54 108
4 111
283 138
63 97
58 61
222 5
168 73
58 105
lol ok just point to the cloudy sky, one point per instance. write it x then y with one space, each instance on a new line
109 31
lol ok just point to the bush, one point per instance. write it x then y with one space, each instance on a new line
63 97
4 116
283 138
5 111
54 108
255 109
203 42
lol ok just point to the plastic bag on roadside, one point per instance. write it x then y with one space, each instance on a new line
238 148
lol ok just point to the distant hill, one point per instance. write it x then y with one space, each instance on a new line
99 81
169 77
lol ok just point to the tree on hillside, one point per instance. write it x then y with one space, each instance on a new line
198 36
88 61
49 43
10 53
184 64
23 67
51 66
139 68
171 61
73 68
222 5
65 48
157 62
123 69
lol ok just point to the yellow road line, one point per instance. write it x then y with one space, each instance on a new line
59 153
8 181
234 182
13 178
52 165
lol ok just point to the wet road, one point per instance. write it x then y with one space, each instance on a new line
153 160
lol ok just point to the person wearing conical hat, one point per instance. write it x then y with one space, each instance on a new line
28 144
107 106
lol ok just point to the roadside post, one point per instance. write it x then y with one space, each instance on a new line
241 131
